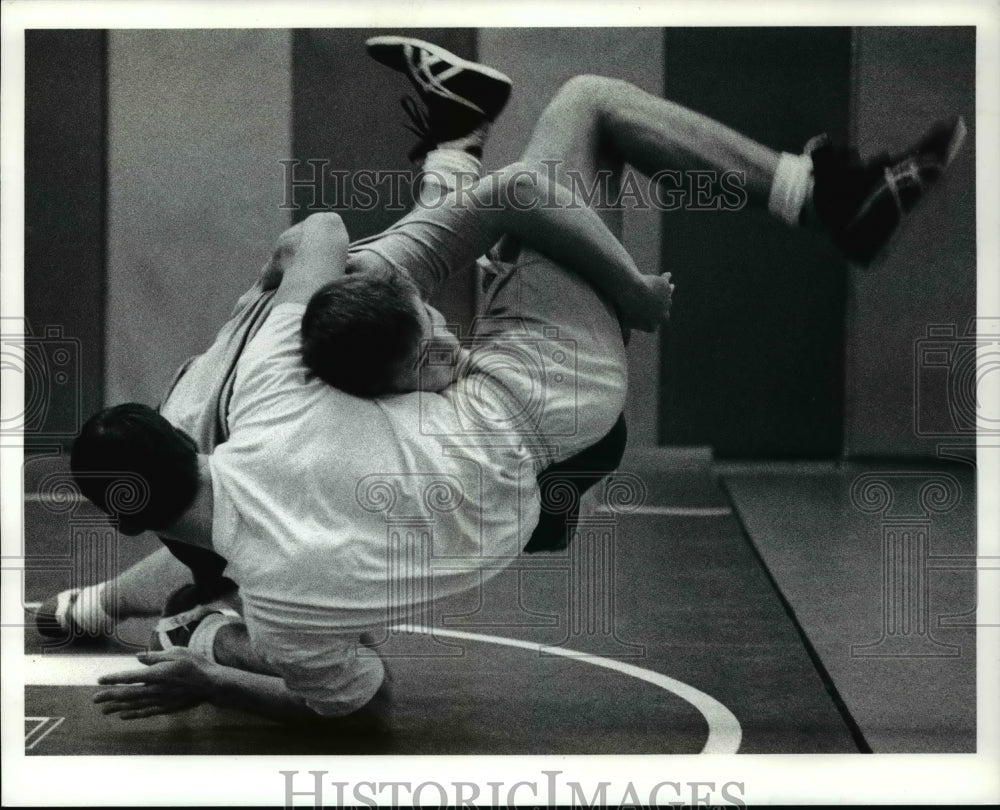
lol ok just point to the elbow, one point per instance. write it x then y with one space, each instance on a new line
323 219
372 720
326 223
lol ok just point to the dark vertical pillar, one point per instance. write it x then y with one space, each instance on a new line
64 275
752 360
923 294
347 118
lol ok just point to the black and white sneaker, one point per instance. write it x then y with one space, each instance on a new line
458 97
861 204
440 75
181 616
56 617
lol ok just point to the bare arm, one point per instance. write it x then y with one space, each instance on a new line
268 696
177 679
312 253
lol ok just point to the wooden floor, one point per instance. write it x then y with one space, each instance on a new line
692 627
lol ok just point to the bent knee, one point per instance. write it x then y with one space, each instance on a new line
587 87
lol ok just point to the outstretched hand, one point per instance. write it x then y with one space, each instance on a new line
654 308
172 681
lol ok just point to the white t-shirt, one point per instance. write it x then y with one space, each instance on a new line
334 512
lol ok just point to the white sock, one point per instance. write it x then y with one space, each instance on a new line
440 173
87 612
791 187
202 641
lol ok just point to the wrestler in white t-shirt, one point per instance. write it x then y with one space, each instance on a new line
306 492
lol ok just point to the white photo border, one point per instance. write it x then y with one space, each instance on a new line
227 780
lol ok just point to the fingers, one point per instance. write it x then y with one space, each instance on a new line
151 657
142 675
156 708
159 688
127 693
161 666
152 711
119 706
131 676
133 705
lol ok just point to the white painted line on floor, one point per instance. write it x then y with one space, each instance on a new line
46 725
73 670
675 511
69 497
724 731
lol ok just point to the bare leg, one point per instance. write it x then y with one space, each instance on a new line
233 649
595 123
142 589
588 132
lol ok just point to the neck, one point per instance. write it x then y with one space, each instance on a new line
194 527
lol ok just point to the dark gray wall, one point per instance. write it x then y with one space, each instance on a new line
752 359
904 78
64 230
346 111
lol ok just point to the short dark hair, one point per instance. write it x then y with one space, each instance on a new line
359 329
136 466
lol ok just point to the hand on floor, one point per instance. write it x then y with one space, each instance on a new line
173 681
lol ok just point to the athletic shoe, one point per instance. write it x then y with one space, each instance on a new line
459 96
181 616
54 618
430 132
861 204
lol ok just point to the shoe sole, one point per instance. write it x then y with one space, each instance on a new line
46 622
388 50
955 143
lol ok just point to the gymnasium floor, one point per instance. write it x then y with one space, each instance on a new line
758 609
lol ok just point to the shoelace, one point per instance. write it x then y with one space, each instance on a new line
420 63
420 125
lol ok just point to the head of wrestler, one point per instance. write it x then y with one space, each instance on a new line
136 467
372 335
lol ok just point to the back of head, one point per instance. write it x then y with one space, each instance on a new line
135 466
360 330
